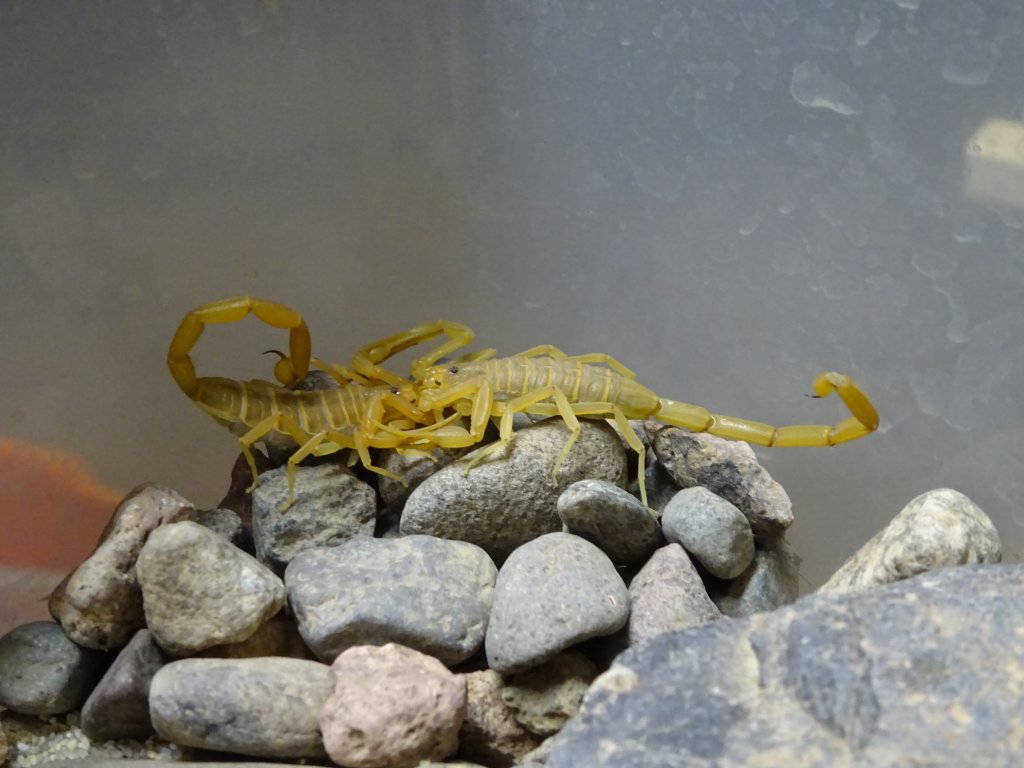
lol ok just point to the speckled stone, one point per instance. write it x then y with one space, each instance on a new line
551 593
490 734
391 706
711 529
512 497
926 671
937 529
728 469
100 603
544 698
43 673
200 591
265 707
331 506
667 595
429 594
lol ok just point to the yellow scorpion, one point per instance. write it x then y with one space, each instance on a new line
322 421
547 382
374 408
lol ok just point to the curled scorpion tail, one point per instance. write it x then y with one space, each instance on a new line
864 419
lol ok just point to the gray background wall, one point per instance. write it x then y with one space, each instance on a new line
728 196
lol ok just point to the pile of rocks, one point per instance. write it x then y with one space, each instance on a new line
463 617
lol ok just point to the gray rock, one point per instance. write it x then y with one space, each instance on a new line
711 529
331 506
100 603
935 530
660 486
728 469
552 592
225 522
490 733
429 594
200 591
612 518
668 595
261 707
392 706
771 581
544 698
923 672
43 673
118 707
511 498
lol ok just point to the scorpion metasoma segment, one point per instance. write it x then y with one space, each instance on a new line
547 382
322 421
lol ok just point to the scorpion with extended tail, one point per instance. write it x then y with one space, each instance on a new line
322 421
547 382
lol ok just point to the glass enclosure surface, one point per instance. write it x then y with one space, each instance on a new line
726 195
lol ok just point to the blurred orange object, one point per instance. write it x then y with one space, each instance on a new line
53 507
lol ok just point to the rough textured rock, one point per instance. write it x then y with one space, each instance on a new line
490 734
923 672
668 595
415 467
260 707
542 699
711 529
118 707
511 498
331 506
391 708
552 592
224 522
100 604
936 529
43 673
728 469
429 594
771 581
612 518
200 591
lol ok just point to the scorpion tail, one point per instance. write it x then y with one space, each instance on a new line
863 419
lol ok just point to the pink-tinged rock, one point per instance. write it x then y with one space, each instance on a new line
391 708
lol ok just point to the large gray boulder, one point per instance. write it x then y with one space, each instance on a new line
923 672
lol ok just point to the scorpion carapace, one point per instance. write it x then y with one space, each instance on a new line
547 382
318 422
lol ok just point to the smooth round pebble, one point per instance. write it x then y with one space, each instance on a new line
552 592
711 529
43 673
612 518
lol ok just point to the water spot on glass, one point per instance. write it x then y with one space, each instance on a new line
670 26
867 29
817 88
971 62
908 5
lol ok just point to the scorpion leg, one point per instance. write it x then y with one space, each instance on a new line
864 419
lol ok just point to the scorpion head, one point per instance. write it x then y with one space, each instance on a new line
435 383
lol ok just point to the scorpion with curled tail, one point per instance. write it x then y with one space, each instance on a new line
547 382
322 421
